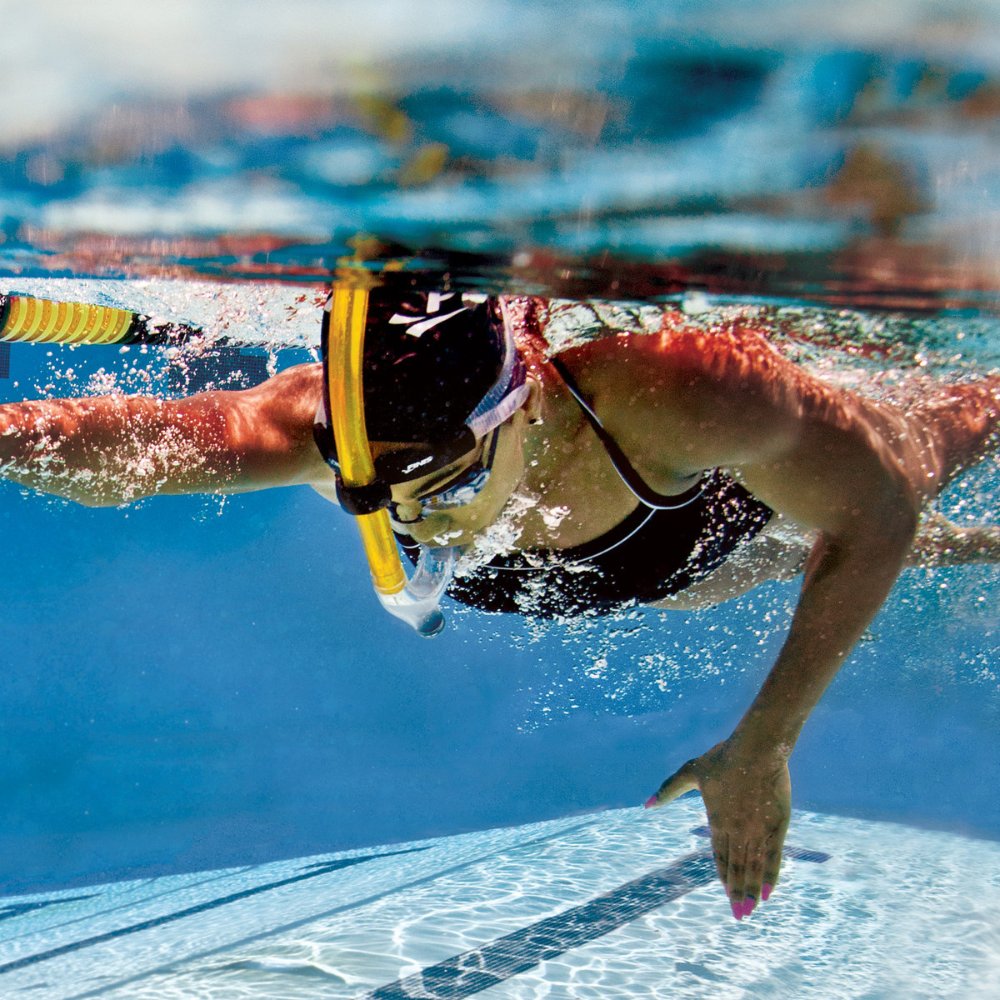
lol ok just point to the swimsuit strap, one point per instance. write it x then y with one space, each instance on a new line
649 497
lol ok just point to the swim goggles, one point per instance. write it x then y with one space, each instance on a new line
458 492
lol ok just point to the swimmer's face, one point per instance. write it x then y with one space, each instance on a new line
457 525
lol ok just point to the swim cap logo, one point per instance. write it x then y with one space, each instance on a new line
416 465
417 326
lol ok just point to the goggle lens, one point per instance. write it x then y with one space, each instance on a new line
460 491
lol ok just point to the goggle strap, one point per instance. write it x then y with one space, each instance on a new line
499 414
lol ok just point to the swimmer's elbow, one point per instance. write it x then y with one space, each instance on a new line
94 502
91 502
112 495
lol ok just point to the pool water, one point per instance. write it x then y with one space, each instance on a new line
203 712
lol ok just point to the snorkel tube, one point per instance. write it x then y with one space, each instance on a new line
25 319
361 492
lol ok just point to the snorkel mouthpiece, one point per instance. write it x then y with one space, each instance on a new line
360 490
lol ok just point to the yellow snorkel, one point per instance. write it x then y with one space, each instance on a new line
25 319
348 308
415 601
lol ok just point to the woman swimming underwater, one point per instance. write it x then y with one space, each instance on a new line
676 468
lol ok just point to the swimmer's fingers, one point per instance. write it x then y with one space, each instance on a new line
683 780
752 872
745 881
735 879
748 801
754 877
772 858
720 851
772 867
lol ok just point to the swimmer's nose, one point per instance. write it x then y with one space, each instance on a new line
407 513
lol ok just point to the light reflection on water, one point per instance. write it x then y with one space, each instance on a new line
674 151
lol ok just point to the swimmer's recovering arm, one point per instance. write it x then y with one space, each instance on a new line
809 451
107 450
941 542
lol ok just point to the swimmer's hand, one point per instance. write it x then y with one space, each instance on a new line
748 799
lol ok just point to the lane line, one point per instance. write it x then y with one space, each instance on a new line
332 912
131 903
16 909
470 972
211 904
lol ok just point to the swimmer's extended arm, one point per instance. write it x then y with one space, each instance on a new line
941 542
818 455
107 450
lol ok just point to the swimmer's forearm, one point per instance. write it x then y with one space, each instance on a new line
847 581
943 543
111 449
108 450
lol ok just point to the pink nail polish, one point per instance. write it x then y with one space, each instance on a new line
748 905
650 802
738 910
765 891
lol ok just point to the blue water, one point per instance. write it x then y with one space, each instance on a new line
191 683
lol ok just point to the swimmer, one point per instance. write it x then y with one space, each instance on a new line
674 469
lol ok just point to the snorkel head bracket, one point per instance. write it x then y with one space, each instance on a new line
441 372
344 442
366 499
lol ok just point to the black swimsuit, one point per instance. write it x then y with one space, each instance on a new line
666 544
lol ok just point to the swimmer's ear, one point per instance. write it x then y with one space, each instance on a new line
532 406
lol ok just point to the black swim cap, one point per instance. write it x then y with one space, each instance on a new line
430 358
440 370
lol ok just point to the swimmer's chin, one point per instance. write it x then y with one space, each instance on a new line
460 540
452 538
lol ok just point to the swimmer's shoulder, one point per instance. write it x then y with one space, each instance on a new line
688 399
286 404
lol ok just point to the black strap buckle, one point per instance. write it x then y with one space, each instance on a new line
367 499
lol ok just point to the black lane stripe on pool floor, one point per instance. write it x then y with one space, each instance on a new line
473 971
321 868
356 904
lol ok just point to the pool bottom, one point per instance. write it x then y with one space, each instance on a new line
621 904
